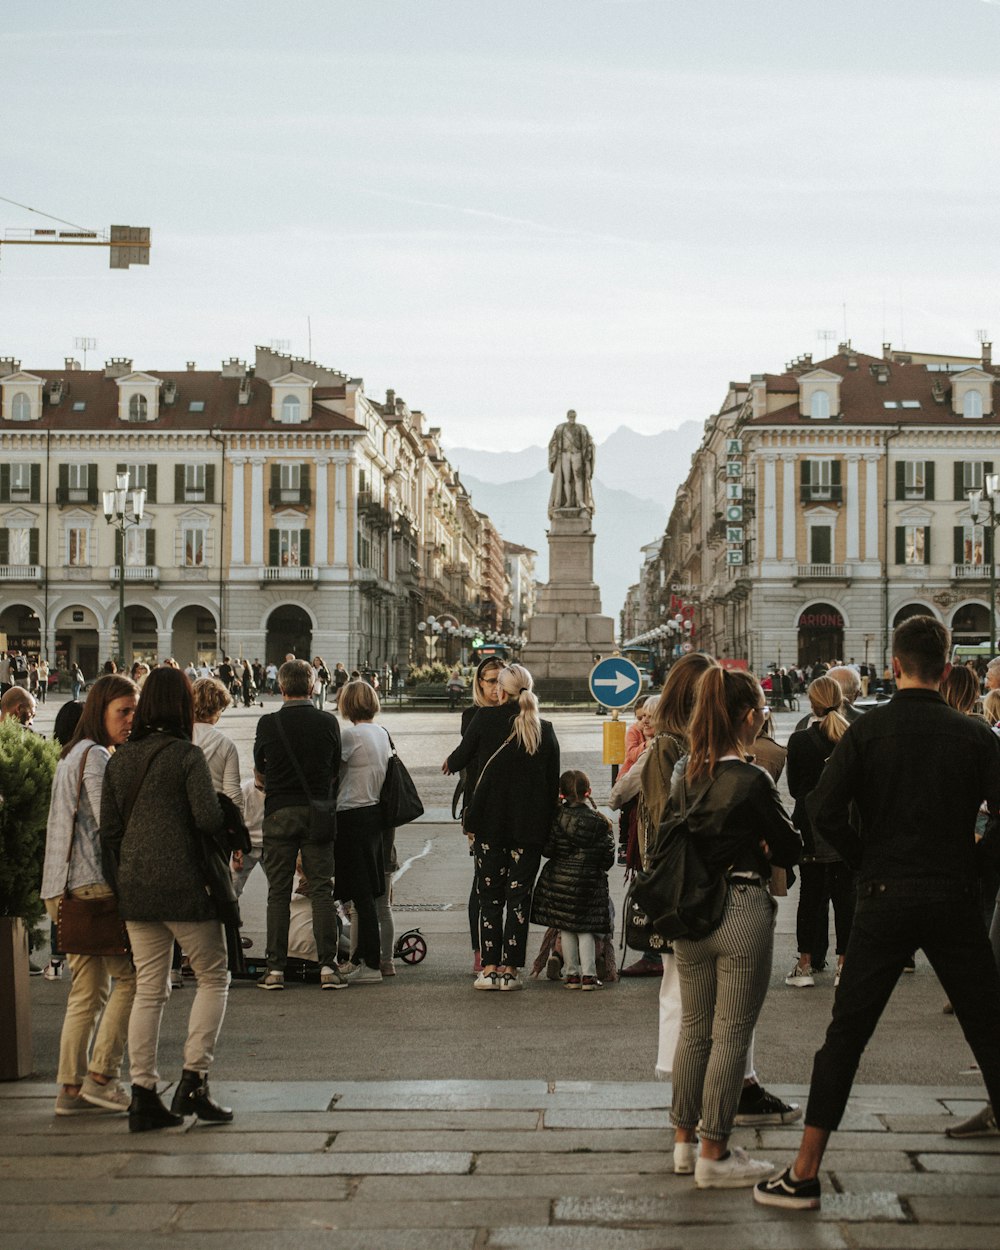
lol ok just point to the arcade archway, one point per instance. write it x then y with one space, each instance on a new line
289 631
821 634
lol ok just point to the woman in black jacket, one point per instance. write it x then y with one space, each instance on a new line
509 818
739 827
823 875
571 893
485 693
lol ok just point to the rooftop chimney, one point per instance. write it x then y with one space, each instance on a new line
191 366
56 391
233 367
887 351
169 391
71 365
117 367
8 365
246 393
987 354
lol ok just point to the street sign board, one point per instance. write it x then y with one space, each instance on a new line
615 682
687 647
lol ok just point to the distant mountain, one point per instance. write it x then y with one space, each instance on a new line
622 524
650 466
635 480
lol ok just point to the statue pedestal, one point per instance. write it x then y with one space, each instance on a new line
568 634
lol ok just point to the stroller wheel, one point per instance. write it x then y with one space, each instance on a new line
411 947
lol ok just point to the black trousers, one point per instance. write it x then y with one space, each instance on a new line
505 878
819 886
893 919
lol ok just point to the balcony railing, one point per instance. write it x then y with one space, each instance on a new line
825 572
970 572
301 495
288 573
20 573
136 573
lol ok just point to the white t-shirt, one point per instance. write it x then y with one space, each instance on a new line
364 758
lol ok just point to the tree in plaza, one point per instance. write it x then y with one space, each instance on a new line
27 765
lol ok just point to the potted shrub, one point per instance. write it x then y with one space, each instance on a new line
27 765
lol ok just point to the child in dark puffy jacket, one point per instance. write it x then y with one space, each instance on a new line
571 893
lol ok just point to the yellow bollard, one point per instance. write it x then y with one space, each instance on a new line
614 742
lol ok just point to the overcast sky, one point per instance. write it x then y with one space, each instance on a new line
503 210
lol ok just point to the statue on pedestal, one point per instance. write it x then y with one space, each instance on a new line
571 463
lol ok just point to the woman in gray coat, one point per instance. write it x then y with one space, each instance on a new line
158 812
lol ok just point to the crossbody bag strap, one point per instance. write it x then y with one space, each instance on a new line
76 813
292 756
133 794
509 738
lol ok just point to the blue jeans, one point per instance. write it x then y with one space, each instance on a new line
892 919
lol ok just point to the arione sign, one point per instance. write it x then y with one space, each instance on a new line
821 620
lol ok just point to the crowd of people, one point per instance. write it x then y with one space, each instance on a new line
893 826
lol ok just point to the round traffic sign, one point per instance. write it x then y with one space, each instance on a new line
687 646
615 682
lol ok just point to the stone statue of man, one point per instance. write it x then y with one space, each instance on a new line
571 463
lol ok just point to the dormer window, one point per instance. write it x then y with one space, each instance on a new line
291 410
20 408
819 406
138 408
972 405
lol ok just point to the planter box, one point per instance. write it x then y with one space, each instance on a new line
15 1001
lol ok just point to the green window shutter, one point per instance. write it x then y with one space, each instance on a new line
900 544
91 483
118 547
4 547
210 483
927 544
900 479
959 479
836 487
805 480
4 484
33 546
959 551
273 550
151 483
178 483
150 546
304 477
64 477
305 547
276 477
928 479
36 483
987 468
119 468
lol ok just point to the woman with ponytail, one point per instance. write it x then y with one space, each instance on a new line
509 819
823 875
736 822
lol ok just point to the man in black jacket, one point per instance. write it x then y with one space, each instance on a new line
918 772
296 756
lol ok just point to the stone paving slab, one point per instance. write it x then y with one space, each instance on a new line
294 1239
296 1165
255 1216
500 1140
793 1234
175 1189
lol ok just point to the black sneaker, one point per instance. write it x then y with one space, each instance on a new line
782 1191
758 1107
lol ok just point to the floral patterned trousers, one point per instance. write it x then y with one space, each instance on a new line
505 877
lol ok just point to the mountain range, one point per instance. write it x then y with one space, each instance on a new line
636 477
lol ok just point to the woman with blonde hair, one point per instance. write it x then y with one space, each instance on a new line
960 690
211 698
824 878
736 821
510 818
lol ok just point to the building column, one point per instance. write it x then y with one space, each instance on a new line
788 507
853 507
871 507
321 554
257 510
165 644
238 554
104 644
341 503
770 507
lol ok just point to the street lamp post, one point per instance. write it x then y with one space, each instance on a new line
990 522
117 514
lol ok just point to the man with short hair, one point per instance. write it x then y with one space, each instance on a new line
295 745
917 771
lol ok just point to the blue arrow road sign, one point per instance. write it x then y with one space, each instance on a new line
615 682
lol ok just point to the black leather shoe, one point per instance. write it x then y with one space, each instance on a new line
192 1098
146 1112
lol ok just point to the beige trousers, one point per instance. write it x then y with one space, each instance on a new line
152 946
100 999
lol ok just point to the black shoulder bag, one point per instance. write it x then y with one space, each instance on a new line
322 812
681 896
398 800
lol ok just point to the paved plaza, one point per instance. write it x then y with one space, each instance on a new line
419 1114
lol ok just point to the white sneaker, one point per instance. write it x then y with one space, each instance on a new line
486 981
511 981
685 1156
736 1171
800 977
53 970
363 975
112 1097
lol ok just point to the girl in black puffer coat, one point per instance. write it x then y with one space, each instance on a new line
571 893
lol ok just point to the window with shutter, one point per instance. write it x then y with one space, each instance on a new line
305 546
210 483
928 479
4 547
179 471
273 549
33 546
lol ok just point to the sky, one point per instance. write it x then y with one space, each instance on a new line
505 210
